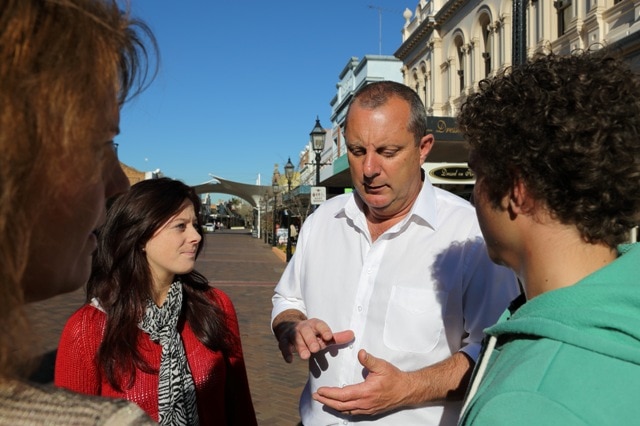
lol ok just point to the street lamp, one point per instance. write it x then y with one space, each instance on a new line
288 172
276 189
519 32
317 143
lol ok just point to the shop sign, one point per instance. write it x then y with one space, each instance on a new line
318 195
444 128
452 173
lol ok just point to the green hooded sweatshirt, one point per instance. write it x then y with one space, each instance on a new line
567 357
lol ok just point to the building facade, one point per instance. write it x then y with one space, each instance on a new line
449 46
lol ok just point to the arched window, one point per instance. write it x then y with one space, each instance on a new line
564 15
423 70
485 25
460 56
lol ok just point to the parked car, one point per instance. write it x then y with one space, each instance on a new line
209 227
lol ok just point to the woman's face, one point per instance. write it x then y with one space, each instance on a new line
63 241
173 248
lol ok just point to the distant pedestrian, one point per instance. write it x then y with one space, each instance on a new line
154 331
555 147
66 68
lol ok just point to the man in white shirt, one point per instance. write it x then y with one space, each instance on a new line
390 287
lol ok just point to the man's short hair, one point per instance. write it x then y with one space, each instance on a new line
376 94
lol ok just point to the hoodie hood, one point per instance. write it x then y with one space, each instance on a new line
600 313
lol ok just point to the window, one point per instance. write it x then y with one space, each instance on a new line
460 53
564 15
486 42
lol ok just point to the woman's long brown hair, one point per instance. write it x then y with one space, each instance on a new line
121 279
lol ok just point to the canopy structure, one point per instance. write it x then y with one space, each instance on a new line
250 193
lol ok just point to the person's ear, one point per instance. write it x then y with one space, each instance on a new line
520 201
426 144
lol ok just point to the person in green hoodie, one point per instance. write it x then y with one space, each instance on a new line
555 148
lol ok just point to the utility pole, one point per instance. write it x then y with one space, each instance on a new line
379 9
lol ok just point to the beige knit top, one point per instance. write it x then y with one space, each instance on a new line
23 403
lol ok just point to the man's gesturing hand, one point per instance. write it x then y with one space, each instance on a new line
384 389
306 337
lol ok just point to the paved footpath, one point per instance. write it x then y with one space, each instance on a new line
246 269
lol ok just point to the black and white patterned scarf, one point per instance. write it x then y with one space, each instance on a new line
176 391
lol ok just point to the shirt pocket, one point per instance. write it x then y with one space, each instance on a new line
413 322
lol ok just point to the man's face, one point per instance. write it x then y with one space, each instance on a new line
383 158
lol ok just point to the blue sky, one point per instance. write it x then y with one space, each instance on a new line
241 82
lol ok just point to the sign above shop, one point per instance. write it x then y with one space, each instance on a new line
452 173
444 128
449 173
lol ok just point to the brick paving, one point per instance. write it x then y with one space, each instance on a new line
246 269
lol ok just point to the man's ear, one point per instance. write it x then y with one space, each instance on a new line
520 201
426 144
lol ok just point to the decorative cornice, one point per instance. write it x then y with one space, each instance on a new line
427 27
423 30
449 8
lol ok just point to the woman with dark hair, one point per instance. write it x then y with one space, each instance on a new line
153 330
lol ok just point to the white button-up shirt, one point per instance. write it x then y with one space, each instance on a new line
422 291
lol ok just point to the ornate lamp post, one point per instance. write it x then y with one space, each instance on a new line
265 228
317 143
288 172
519 32
276 189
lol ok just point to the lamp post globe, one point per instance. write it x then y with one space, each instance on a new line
288 172
317 143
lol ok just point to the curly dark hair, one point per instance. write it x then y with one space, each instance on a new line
568 127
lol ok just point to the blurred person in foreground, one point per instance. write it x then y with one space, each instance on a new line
153 330
66 68
390 286
555 147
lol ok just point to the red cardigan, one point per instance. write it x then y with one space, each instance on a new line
222 389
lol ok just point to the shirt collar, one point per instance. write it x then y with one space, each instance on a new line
424 209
